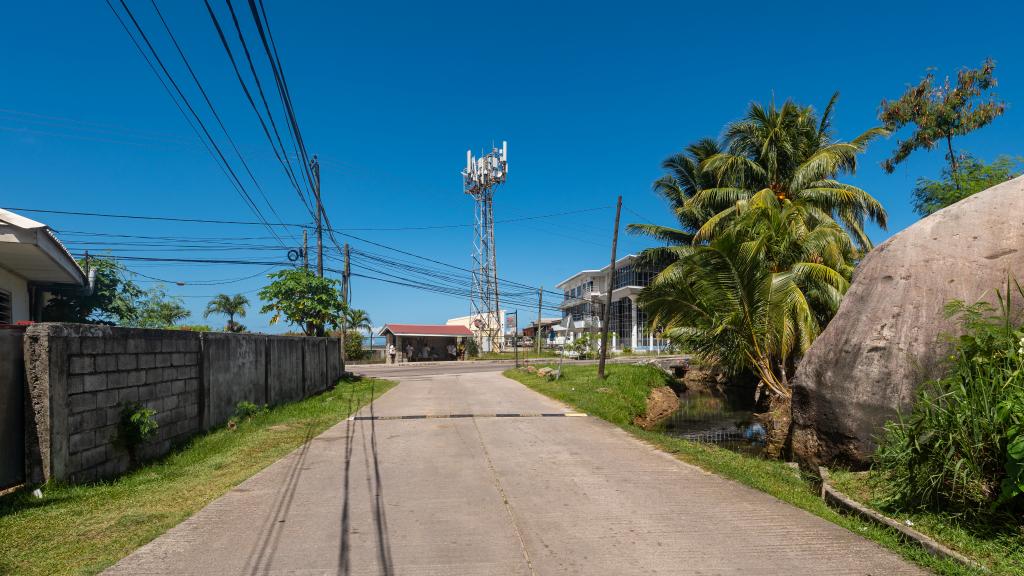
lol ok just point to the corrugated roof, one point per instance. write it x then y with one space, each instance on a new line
425 330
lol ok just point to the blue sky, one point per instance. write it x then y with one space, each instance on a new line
590 96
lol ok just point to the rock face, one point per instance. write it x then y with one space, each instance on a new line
888 335
661 402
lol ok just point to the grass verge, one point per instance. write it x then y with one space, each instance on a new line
86 528
996 542
622 396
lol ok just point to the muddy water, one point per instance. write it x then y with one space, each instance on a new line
723 421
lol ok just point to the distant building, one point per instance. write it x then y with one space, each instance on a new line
478 325
33 265
584 297
547 328
423 342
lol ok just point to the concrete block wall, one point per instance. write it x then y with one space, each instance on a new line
81 376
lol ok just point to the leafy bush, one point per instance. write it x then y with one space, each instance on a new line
961 449
583 345
354 345
472 348
626 350
245 410
137 424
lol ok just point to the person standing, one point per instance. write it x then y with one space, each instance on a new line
451 351
427 352
409 352
392 352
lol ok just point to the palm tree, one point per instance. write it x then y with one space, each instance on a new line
356 319
755 296
792 153
229 306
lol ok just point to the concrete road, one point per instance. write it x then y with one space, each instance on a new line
494 495
404 370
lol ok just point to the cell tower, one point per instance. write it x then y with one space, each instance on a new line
480 179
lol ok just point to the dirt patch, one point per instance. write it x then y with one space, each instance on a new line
661 403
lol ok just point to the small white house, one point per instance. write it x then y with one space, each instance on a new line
33 264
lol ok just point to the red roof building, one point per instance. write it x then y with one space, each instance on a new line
424 342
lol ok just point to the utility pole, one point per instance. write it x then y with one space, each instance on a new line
314 166
608 300
346 279
305 250
540 305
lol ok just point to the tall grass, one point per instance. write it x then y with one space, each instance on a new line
955 450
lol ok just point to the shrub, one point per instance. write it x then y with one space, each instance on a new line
137 424
626 350
583 345
961 448
472 348
245 410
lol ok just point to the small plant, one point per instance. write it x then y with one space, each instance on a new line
246 410
626 350
136 426
472 349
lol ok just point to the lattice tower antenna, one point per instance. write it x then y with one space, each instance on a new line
480 179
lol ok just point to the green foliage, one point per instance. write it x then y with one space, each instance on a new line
941 112
472 348
626 350
354 345
229 306
114 300
961 449
137 424
245 410
194 327
584 345
302 299
973 176
156 309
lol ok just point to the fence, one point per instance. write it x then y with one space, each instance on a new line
79 377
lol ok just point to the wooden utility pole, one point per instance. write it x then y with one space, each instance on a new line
314 166
540 305
346 279
608 300
305 250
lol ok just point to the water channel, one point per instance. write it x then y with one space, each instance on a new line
724 421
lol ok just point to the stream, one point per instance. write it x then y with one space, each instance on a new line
726 422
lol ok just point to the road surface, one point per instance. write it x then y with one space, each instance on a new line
496 495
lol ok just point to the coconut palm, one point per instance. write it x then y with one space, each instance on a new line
356 319
229 306
791 152
755 296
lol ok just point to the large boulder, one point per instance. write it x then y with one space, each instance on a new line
888 336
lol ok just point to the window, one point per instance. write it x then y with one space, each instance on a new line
5 307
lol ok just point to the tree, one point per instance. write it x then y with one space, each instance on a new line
788 151
156 309
357 319
113 301
304 300
755 296
930 196
229 306
940 112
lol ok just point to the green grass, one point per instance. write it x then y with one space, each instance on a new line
622 396
86 528
532 353
996 543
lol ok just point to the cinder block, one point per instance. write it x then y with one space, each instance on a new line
116 344
147 361
148 392
107 436
117 380
127 361
106 363
135 378
81 441
178 359
168 345
183 372
152 345
93 456
94 382
154 375
170 403
106 398
113 415
86 421
135 346
91 345
162 359
127 395
81 365
178 386
192 385
169 373
82 402
76 384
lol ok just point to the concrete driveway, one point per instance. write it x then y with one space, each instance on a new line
493 495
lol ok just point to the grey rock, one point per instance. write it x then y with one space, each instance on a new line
888 336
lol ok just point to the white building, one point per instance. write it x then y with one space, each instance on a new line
584 297
33 264
478 325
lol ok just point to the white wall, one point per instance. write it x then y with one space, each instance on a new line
18 288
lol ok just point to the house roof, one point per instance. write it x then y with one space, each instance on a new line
604 270
425 330
31 250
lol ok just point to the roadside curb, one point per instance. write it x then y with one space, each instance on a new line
841 501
